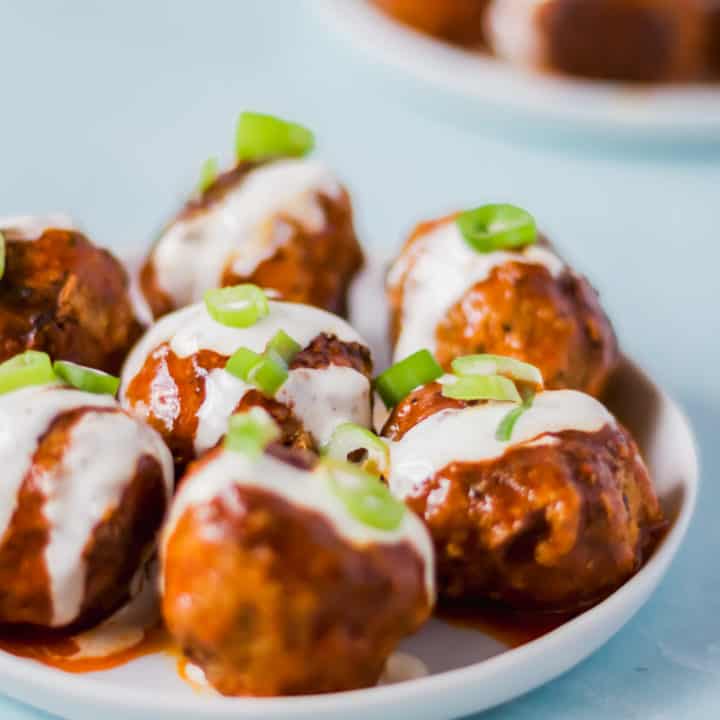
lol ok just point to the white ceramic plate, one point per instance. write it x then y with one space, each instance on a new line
689 112
469 671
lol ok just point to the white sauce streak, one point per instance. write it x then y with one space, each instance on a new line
468 434
243 229
97 465
304 489
31 227
442 268
514 32
321 399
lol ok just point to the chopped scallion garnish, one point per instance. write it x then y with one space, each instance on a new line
284 346
208 174
365 497
349 438
398 381
28 368
85 378
480 387
260 137
3 251
269 373
498 365
507 424
237 306
497 227
251 432
242 361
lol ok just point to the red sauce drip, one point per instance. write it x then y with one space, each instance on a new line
57 651
509 627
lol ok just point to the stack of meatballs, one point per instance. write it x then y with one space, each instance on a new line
233 438
646 41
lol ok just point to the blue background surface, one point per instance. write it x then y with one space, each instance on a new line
107 111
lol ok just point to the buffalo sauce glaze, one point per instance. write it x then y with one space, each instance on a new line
65 652
515 628
509 627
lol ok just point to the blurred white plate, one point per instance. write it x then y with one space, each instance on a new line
689 112
468 671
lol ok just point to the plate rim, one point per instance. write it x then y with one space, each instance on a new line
691 110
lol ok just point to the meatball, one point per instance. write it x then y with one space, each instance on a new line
459 21
626 40
273 587
175 378
554 519
285 225
84 492
713 25
63 295
527 303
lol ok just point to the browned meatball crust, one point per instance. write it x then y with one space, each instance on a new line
543 527
523 311
269 599
314 268
62 295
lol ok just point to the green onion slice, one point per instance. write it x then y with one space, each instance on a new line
85 378
480 387
497 227
208 174
403 377
237 306
365 497
269 373
251 432
28 368
261 136
349 438
498 365
242 361
507 424
3 251
284 346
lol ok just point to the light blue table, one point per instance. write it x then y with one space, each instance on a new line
108 109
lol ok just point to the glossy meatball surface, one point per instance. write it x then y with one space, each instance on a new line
175 378
285 225
84 489
270 589
525 304
553 521
63 295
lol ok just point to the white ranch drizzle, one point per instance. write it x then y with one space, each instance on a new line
514 31
31 227
325 398
321 399
468 434
305 489
442 267
97 465
241 228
